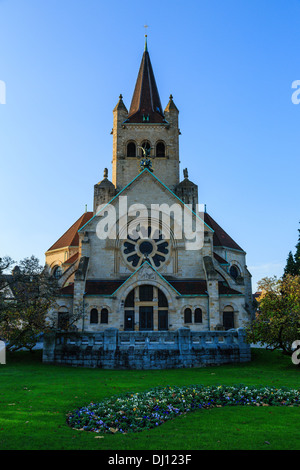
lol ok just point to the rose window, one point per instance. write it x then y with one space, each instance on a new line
150 246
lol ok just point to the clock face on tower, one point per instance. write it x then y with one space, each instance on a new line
150 246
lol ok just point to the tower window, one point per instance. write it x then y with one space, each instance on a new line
131 149
160 149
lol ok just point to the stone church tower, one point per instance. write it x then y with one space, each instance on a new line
147 126
151 283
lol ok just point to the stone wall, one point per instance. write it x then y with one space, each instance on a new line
112 349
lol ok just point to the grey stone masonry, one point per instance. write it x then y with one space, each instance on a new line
114 349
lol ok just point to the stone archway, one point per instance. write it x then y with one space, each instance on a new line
146 309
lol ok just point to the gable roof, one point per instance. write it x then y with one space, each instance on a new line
70 237
220 237
160 182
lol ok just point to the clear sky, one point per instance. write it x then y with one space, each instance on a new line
229 64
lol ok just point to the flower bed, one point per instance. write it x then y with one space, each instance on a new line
135 412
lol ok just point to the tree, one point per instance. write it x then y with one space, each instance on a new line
277 321
297 255
293 261
5 264
290 267
26 296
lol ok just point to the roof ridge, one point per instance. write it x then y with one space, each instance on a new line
166 187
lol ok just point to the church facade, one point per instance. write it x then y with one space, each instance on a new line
149 261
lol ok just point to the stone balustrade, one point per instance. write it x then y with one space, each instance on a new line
114 349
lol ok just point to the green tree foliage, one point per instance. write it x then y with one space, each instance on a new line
290 267
293 261
25 298
277 321
297 255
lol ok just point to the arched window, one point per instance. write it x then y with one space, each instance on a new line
129 302
188 315
162 299
104 315
198 315
160 149
131 149
234 271
228 318
57 272
94 316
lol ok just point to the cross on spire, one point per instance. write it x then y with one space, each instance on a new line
146 46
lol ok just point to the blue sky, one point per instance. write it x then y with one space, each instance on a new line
229 64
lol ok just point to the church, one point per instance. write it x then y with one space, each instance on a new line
130 274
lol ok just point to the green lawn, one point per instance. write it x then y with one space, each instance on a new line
34 400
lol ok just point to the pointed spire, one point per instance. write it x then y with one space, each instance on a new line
145 104
120 104
171 105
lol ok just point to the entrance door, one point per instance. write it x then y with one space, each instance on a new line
146 318
129 320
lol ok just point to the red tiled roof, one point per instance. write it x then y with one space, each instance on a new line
72 259
70 237
220 237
